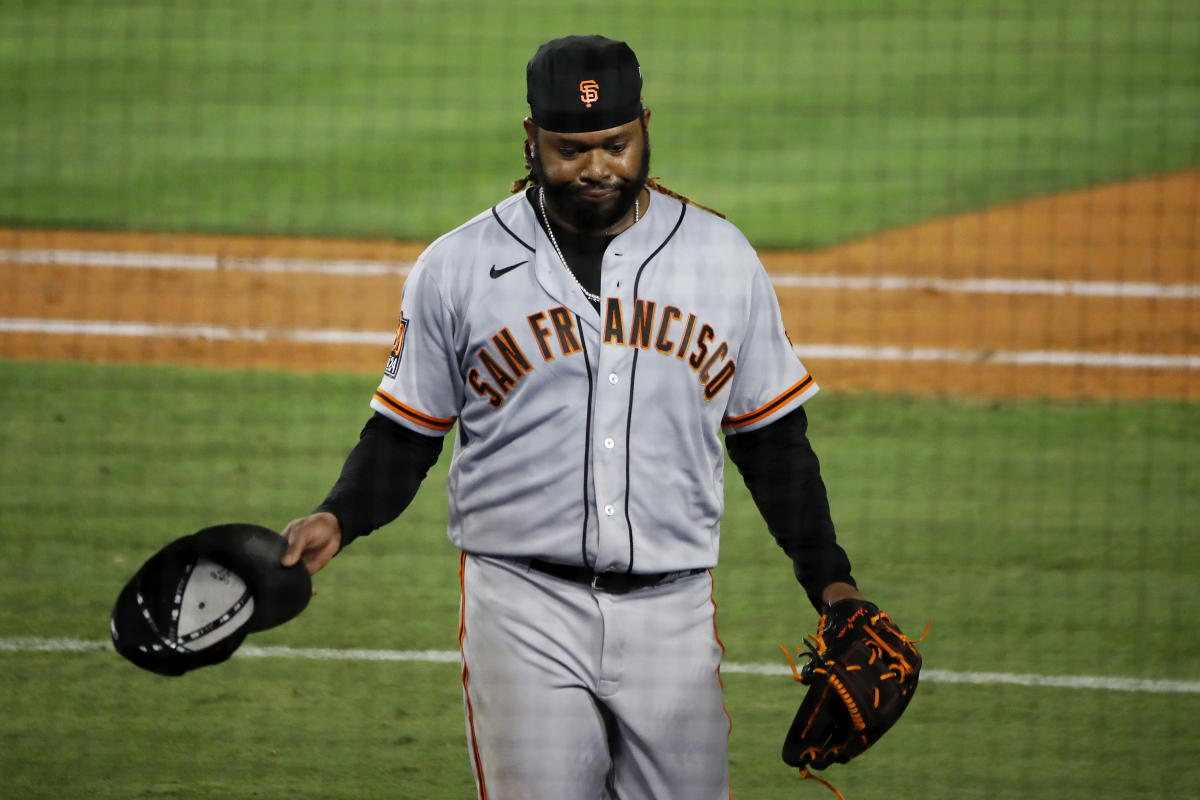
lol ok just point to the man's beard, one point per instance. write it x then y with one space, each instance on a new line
589 217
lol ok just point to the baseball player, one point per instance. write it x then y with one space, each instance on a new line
588 340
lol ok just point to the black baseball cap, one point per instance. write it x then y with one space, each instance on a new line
193 602
583 83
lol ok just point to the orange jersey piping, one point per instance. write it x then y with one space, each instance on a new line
466 676
425 420
771 407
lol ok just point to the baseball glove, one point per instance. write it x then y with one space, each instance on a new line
861 674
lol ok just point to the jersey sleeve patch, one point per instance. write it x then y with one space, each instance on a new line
411 414
393 362
801 387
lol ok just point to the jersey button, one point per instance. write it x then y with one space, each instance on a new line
609 510
613 379
609 443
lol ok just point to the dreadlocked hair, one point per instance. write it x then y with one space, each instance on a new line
658 187
521 183
651 183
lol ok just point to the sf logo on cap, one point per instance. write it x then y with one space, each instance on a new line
588 93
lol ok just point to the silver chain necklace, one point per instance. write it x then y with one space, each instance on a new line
595 298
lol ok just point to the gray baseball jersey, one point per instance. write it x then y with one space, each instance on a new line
591 438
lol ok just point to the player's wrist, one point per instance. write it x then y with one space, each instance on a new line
330 515
838 591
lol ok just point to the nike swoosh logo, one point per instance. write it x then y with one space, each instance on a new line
496 273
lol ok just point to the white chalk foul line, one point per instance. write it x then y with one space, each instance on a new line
220 333
1054 288
353 267
149 330
204 262
29 644
1056 358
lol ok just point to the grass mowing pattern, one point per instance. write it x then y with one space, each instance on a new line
1038 537
808 123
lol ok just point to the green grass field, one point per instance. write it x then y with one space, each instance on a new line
807 122
1038 537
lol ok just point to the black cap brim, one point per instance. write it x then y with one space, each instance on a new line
141 624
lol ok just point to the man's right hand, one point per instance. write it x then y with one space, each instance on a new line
314 539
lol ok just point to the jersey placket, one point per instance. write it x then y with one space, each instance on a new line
611 419
556 280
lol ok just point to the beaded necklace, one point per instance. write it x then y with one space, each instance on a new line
595 298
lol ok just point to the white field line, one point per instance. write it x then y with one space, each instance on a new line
204 262
26 644
1014 286
149 330
220 333
1055 358
353 267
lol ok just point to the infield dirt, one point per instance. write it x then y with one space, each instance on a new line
1141 233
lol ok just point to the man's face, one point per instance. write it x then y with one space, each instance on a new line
592 179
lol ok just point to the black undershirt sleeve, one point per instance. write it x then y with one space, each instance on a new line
380 477
784 478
